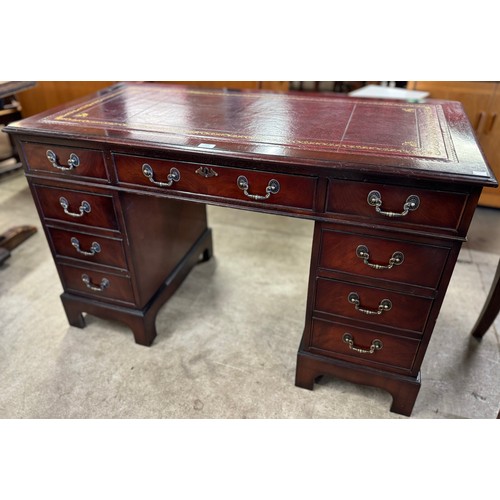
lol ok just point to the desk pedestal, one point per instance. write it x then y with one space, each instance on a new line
373 299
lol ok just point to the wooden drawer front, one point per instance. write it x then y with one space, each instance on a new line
101 285
412 263
396 352
294 190
436 209
101 214
87 247
65 160
406 312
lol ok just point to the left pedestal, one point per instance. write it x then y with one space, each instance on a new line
120 255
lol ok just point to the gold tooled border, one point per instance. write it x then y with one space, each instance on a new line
78 115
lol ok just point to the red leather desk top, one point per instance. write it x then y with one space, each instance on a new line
432 138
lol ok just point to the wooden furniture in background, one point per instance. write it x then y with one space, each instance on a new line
10 110
318 86
48 95
121 179
12 238
481 101
249 85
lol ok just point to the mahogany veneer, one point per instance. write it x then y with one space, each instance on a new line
121 180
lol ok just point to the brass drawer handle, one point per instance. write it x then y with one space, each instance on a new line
73 161
384 306
273 187
96 288
375 346
396 260
84 207
375 200
94 248
173 176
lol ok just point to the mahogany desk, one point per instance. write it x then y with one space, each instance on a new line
121 181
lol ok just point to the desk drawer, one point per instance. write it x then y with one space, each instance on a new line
361 346
97 284
74 162
264 188
388 259
79 207
87 247
372 305
433 209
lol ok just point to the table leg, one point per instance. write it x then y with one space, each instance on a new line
490 308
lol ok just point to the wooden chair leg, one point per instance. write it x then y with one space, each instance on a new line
490 308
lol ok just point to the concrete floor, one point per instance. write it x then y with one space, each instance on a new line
227 340
484 232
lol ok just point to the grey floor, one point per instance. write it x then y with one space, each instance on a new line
227 340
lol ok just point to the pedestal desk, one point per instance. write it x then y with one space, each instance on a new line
121 181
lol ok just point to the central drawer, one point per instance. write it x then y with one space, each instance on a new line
260 187
372 305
